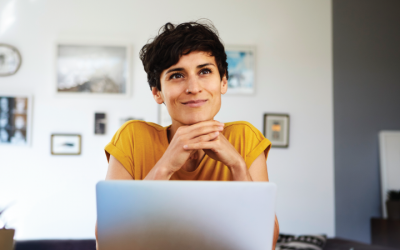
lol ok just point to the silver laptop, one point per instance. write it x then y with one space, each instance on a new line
185 215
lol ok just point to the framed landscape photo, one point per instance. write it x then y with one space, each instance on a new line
241 69
89 69
276 129
65 144
15 119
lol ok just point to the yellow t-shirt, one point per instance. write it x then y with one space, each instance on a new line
138 145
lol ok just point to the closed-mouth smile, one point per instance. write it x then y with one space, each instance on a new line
195 103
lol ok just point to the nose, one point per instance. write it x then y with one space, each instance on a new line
193 86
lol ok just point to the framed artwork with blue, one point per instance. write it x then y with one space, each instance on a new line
241 69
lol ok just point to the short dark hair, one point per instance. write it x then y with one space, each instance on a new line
174 41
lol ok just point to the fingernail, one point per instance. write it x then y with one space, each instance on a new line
222 124
185 146
216 133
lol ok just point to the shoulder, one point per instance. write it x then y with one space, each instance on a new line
239 125
242 129
137 128
141 125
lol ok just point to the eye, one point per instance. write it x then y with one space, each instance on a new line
205 71
176 76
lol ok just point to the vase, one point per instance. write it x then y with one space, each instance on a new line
7 239
393 209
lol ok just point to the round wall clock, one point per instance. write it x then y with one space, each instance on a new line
10 60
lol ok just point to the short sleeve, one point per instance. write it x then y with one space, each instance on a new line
121 147
256 144
263 146
248 140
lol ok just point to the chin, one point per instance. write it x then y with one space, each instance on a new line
190 120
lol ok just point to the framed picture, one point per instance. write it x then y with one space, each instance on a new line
276 129
15 119
241 69
85 69
65 144
100 123
163 116
10 60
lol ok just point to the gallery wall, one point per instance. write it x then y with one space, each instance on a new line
55 195
366 100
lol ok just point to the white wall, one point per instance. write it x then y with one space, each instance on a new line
55 194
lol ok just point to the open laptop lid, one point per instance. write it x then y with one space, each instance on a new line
185 215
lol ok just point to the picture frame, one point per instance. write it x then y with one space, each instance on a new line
241 69
15 119
66 144
92 69
164 119
100 123
276 129
10 60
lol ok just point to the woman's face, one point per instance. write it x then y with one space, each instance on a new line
191 89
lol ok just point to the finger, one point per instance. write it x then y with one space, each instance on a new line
204 131
201 145
202 138
204 127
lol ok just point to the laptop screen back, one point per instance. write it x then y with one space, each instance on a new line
185 215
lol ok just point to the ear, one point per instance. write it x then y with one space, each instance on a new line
157 95
224 85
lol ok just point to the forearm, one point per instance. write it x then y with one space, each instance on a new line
159 172
240 172
276 233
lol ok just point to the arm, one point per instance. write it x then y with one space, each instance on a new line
116 171
258 172
221 149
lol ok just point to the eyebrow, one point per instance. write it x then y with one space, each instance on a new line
180 69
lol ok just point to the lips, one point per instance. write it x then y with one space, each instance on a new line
195 103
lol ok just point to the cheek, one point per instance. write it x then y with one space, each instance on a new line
217 102
171 95
215 89
212 84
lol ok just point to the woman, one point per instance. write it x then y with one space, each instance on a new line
187 71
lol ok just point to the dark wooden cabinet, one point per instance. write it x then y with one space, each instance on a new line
385 232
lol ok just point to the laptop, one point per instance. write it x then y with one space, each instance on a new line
185 215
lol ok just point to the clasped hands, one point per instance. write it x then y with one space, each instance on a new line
204 135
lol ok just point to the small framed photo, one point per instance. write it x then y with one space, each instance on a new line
164 119
65 144
92 69
100 123
276 129
241 69
15 119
